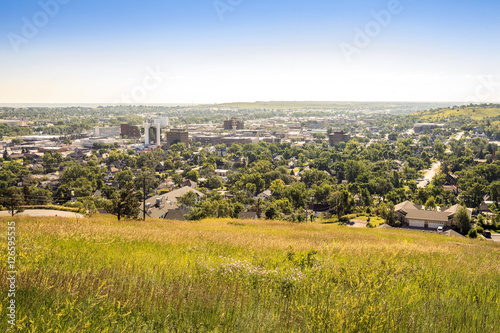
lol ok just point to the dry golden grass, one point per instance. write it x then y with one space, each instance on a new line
226 275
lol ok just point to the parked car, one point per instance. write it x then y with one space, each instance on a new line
487 234
440 229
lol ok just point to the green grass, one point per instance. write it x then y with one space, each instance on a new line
475 112
375 220
100 275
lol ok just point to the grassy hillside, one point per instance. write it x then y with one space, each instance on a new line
247 276
474 112
340 106
297 105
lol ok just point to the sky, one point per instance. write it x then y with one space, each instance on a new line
217 51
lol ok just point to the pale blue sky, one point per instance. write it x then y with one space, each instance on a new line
105 51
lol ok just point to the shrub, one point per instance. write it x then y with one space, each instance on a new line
344 219
479 229
480 219
472 233
396 224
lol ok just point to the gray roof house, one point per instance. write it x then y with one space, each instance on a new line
159 205
416 216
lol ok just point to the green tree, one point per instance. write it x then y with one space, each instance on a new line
494 189
17 141
388 214
297 194
430 204
321 193
462 220
187 200
343 202
277 187
272 212
177 179
51 161
146 178
439 149
124 203
12 199
192 175
123 177
213 183
314 176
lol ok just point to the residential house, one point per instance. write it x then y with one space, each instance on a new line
189 183
177 214
412 215
265 195
248 216
159 205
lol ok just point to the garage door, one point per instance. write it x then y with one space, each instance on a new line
435 225
417 224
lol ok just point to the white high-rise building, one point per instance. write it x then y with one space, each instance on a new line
163 121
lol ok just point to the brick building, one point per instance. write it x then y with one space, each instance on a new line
176 136
130 131
336 137
230 123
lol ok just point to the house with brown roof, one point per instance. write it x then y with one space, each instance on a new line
189 183
159 206
416 216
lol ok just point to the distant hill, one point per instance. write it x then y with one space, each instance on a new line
388 107
476 112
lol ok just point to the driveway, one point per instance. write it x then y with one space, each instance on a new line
495 237
430 174
356 224
43 212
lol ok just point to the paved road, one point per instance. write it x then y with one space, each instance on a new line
44 212
495 237
357 224
429 174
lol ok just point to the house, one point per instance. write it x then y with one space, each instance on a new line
177 214
165 186
175 194
412 215
221 172
483 209
451 179
157 207
318 209
265 195
452 188
189 183
248 216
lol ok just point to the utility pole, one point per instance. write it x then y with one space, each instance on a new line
144 194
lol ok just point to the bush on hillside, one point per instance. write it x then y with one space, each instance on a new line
472 233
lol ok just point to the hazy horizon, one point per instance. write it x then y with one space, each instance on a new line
23 105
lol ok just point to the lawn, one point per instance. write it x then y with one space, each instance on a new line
374 220
100 275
